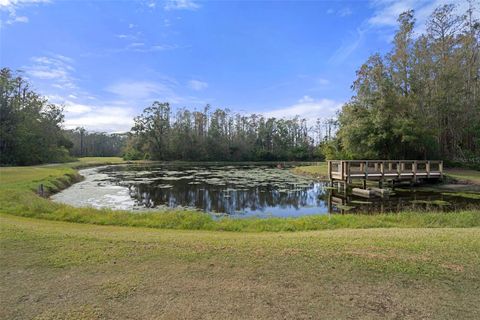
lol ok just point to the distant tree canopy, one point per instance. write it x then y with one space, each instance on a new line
217 135
30 127
422 99
96 144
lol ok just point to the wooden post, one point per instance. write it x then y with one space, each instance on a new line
348 179
399 170
414 169
382 171
427 167
329 164
366 169
440 167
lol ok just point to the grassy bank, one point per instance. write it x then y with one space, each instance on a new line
466 176
318 171
60 270
18 197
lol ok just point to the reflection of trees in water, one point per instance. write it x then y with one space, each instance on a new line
220 199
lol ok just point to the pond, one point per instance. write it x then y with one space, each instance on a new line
235 190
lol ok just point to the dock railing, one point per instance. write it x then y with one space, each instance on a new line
347 170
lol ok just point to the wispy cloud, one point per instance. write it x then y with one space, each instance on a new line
181 5
141 90
308 108
106 118
349 46
57 69
387 11
12 6
343 12
197 85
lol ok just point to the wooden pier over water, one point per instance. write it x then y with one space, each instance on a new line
384 170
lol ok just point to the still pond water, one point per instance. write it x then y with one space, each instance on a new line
235 190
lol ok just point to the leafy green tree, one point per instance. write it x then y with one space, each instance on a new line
30 127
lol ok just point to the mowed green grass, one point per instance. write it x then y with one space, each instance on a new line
319 170
29 178
470 176
60 270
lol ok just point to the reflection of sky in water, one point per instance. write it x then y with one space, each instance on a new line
311 205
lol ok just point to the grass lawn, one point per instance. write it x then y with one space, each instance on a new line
317 171
60 270
469 176
410 265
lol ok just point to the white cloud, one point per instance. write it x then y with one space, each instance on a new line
323 82
110 116
308 108
306 99
55 68
181 5
22 19
348 46
151 4
76 108
141 90
101 118
387 11
16 3
197 85
12 6
343 12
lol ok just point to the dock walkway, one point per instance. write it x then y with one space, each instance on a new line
384 170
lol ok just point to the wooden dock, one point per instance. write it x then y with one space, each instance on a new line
384 170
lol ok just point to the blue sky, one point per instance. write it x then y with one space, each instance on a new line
107 60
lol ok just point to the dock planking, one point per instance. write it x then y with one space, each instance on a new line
384 170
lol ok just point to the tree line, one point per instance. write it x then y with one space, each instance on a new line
218 135
95 144
420 100
30 126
